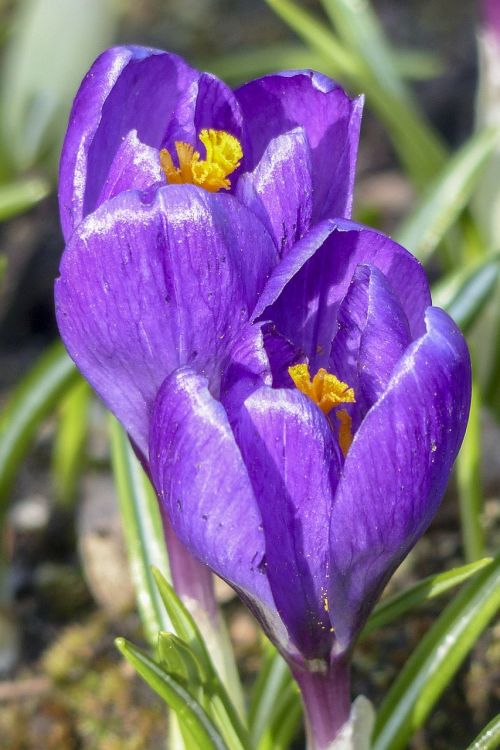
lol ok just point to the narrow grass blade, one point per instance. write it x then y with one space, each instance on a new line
419 147
425 228
192 717
429 588
240 67
285 720
69 447
359 27
288 724
418 65
18 197
177 659
491 328
36 93
31 402
489 738
143 531
273 679
436 659
464 294
183 624
319 37
469 481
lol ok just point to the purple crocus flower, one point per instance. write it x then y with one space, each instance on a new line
306 495
178 197
296 398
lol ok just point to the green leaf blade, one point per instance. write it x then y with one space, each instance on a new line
18 197
182 622
436 659
273 679
465 293
360 29
69 447
425 228
143 531
191 715
388 611
185 627
177 659
489 737
31 402
419 147
468 471
36 93
314 33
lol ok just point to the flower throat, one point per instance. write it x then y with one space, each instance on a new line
223 154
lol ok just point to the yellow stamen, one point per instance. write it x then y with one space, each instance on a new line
328 392
325 389
345 430
223 154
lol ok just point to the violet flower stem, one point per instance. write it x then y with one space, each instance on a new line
327 702
191 579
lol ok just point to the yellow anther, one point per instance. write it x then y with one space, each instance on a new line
223 155
345 430
328 392
325 389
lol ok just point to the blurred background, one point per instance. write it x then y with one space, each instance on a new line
426 173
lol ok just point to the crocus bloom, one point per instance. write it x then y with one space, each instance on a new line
304 511
178 197
298 401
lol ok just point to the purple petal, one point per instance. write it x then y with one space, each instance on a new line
396 470
126 89
281 354
260 356
217 107
372 335
304 292
276 104
206 103
293 462
279 190
246 369
204 488
147 287
135 165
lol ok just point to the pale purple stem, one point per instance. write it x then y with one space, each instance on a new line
327 702
191 579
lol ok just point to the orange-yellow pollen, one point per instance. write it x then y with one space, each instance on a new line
345 430
328 392
223 155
